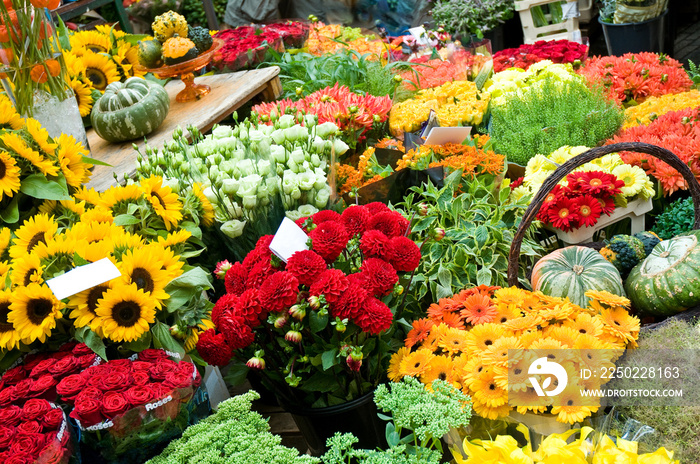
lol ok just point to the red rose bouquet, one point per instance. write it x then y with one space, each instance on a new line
319 328
293 33
245 47
557 51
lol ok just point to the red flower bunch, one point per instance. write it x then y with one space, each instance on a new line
585 198
38 374
426 73
636 76
351 112
677 131
244 46
324 301
293 33
34 432
558 51
152 382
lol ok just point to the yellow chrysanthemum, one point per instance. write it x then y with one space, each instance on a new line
41 136
33 312
26 269
117 196
16 143
93 41
9 118
164 201
394 372
416 363
83 94
125 312
9 337
70 157
141 267
174 238
204 206
100 70
89 196
9 175
37 229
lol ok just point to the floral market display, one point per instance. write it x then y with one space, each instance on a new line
245 47
426 73
469 17
653 107
465 339
409 47
634 77
456 103
333 37
334 323
293 33
556 51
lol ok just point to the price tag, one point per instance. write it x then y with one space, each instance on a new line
570 10
443 135
83 277
288 239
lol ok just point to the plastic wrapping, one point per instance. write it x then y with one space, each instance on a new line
635 11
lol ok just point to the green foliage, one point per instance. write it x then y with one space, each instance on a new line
310 73
677 218
548 116
471 16
694 73
193 11
233 434
479 226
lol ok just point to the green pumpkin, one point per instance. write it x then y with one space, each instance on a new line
150 54
129 110
572 271
201 38
625 252
667 282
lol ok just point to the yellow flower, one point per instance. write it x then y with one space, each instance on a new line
174 238
16 143
117 196
527 400
40 136
125 312
9 175
394 372
37 229
100 70
70 157
564 335
416 363
5 237
33 312
142 267
653 107
9 118
620 324
440 367
9 337
164 201
204 207
488 412
68 208
90 40
573 406
26 269
634 178
84 306
83 94
89 196
60 246
585 324
98 215
452 340
485 390
497 354
74 64
607 298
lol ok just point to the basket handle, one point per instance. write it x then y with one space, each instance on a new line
579 160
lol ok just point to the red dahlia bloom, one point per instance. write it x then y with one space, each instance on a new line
212 347
306 266
380 275
374 244
328 239
248 307
403 254
349 305
374 316
331 283
392 223
355 219
237 332
376 207
235 279
223 306
278 292
257 255
258 273
325 215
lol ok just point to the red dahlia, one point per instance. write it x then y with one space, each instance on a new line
257 255
403 254
381 276
237 332
350 302
212 347
391 223
324 216
306 266
376 207
235 279
329 239
374 316
374 244
259 273
278 292
301 222
223 306
355 219
331 283
248 307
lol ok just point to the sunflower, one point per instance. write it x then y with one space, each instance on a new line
84 306
168 260
441 368
453 340
97 215
37 229
100 70
107 29
118 197
9 337
93 41
92 252
585 324
25 270
174 238
416 363
70 209
74 64
9 175
16 143
83 94
92 231
125 312
124 242
70 157
607 298
60 249
4 273
486 391
33 312
89 196
142 268
618 323
164 201
126 57
9 117
40 136
478 309
482 336
419 332
5 237
204 207
394 371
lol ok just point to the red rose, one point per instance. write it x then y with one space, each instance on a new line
374 244
53 419
350 303
86 360
87 410
139 395
34 409
248 307
376 207
14 375
21 390
6 435
70 386
392 223
43 386
90 392
237 332
235 279
119 364
140 377
114 404
404 254
178 379
94 379
29 427
140 366
306 266
374 316
160 369
279 291
329 239
19 457
54 452
65 366
331 283
32 360
81 349
6 396
325 216
42 368
258 273
117 380
223 305
152 355
60 354
30 443
11 415
213 348
381 276
160 391
355 220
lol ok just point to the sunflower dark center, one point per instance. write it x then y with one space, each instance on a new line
143 280
94 295
97 77
160 200
4 311
39 237
3 169
38 309
126 313
96 48
28 277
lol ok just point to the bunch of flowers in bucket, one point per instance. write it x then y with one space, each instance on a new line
653 107
557 51
245 46
332 309
465 340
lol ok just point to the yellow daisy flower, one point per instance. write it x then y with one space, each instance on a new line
9 117
442 368
416 363
394 372
634 178
89 196
5 237
141 267
174 238
115 197
100 70
83 94
33 312
92 41
607 298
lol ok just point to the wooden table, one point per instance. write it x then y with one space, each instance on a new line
228 93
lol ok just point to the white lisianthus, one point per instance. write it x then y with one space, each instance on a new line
233 208
233 228
211 196
285 121
230 186
318 145
245 167
326 129
340 147
296 193
315 160
250 202
238 154
322 197
289 182
307 210
307 179
173 183
264 148
221 132
264 167
321 180
255 136
278 136
291 164
278 153
272 184
294 215
296 133
310 120
265 129
298 155
251 181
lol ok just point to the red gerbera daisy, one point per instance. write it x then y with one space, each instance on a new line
589 210
597 182
607 205
564 214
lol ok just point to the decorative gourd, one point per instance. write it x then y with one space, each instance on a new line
201 38
649 240
130 110
572 271
668 280
179 49
168 25
150 53
625 252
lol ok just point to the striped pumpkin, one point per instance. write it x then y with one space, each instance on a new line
572 271
130 109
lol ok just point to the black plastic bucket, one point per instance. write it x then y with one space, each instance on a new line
647 36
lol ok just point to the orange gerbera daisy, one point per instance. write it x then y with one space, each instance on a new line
420 331
478 309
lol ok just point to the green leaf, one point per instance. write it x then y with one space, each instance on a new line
141 344
483 276
38 186
163 339
134 39
319 383
195 278
96 162
392 438
443 292
92 340
445 277
317 322
481 235
126 220
79 260
236 374
10 215
8 358
329 358
423 223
